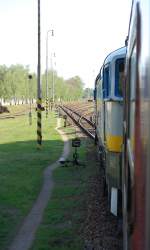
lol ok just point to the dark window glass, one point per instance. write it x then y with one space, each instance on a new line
119 74
106 82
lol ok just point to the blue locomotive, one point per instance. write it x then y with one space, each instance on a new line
109 120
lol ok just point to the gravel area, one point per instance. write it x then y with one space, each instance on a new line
101 228
101 231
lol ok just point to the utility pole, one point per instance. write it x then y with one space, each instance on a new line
53 86
47 95
53 78
39 95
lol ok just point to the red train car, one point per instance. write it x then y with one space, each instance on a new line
136 127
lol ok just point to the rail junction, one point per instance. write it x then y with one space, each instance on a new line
82 115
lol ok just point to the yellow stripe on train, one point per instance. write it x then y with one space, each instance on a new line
114 143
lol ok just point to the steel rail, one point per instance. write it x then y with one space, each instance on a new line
78 121
9 116
86 119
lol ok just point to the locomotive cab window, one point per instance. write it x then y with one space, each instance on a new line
106 84
119 75
95 93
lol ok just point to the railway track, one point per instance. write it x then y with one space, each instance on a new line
14 112
10 116
82 118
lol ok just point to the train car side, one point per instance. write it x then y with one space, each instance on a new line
136 154
109 118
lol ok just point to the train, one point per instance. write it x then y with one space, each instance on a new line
109 117
122 107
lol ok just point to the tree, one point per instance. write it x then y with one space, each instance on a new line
3 87
88 93
14 84
75 88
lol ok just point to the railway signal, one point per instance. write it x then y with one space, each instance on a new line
76 142
65 120
30 113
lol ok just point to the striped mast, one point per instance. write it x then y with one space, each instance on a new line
47 75
47 94
39 95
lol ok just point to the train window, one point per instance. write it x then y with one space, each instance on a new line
94 93
106 84
119 76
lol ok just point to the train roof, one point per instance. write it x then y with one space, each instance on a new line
121 52
115 54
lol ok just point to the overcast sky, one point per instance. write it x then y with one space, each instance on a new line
85 31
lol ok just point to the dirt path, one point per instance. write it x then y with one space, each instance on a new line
26 234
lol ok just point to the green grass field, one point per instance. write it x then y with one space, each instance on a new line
21 172
63 223
21 168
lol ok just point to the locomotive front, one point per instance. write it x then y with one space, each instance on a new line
109 99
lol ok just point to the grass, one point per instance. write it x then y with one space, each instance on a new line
13 109
63 223
21 168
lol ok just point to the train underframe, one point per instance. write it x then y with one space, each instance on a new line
111 163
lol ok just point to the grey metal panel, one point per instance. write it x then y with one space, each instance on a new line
114 118
100 114
144 72
143 41
113 169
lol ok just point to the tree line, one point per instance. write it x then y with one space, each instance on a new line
15 85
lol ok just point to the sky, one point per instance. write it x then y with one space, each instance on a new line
85 31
